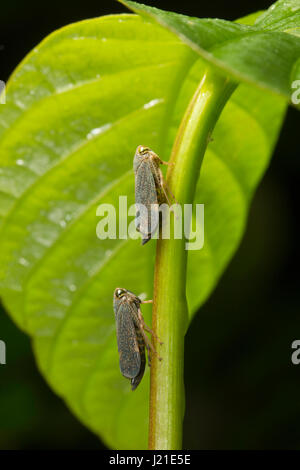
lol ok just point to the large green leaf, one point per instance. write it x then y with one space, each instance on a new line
76 109
266 53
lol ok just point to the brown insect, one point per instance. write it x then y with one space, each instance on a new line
131 337
150 190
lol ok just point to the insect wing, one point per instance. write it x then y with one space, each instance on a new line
146 199
129 354
136 380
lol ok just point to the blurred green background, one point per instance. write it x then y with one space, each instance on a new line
242 391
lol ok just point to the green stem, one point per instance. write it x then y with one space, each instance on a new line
170 313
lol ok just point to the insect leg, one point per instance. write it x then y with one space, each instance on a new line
168 188
144 327
162 162
161 177
163 185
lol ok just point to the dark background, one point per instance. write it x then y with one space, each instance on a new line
242 391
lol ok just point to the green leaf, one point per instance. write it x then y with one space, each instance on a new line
264 54
283 15
77 107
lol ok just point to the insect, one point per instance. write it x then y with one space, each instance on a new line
131 337
149 190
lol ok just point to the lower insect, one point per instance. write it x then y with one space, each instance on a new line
131 336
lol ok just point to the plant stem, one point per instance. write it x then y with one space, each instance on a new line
170 313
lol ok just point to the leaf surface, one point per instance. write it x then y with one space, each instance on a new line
266 53
77 107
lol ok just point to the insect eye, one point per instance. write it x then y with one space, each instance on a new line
119 292
142 149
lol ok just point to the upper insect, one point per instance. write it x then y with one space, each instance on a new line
150 190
